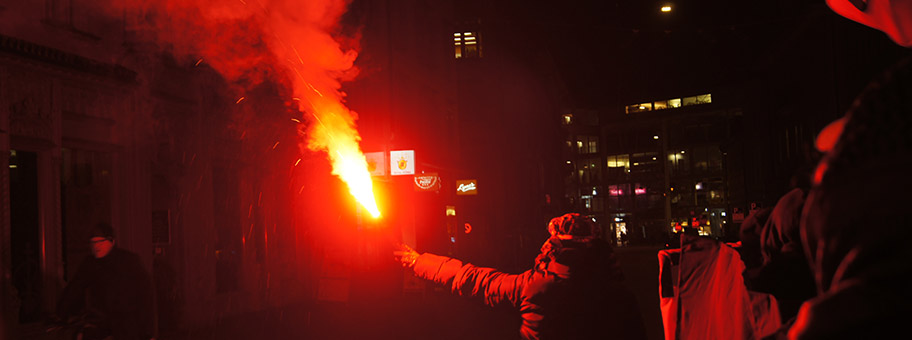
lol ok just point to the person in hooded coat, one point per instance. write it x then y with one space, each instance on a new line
574 291
855 223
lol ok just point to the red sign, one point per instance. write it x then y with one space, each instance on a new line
427 182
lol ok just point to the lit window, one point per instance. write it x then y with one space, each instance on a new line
660 105
568 119
674 103
687 101
704 98
639 107
467 45
618 161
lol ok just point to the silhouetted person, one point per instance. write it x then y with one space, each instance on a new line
854 225
783 269
111 290
574 291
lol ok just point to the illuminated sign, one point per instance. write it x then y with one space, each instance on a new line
402 162
427 182
467 187
376 163
468 228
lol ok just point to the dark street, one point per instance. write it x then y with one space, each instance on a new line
434 315
454 169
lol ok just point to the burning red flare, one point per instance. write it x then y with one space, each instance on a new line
284 40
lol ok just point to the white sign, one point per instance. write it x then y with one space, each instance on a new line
466 187
376 163
402 162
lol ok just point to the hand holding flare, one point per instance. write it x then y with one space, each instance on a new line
406 255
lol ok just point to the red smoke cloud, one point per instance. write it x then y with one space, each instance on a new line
286 41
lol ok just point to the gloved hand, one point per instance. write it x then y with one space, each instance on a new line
406 255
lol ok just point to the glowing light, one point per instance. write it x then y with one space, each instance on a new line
240 100
666 8
655 137
351 167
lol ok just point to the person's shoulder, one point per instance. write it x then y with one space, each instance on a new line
125 255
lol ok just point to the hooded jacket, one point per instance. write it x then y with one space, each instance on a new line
575 290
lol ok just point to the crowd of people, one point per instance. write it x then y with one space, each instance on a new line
832 251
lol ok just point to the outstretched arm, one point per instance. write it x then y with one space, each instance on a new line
466 279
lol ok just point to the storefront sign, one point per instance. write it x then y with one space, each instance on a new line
402 162
427 182
467 187
376 163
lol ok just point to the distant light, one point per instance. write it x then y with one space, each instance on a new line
723 214
682 151
594 191
13 166
655 137
653 158
666 8
452 239
457 34
642 107
568 162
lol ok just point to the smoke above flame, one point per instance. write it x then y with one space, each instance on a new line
293 42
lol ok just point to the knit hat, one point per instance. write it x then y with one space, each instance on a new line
102 230
573 225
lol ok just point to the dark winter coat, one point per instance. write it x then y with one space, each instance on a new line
575 291
116 294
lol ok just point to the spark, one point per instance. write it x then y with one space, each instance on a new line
240 100
296 120
299 161
298 55
198 62
275 145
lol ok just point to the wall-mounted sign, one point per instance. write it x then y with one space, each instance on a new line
402 162
427 182
467 187
376 163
